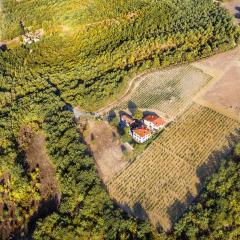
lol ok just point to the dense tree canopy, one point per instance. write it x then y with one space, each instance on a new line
88 52
90 59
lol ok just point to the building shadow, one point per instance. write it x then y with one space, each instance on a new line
146 113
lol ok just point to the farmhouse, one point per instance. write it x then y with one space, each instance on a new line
141 134
154 122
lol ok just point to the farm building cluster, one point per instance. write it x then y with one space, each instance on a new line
141 130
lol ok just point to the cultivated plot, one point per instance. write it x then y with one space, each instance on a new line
168 91
163 181
224 93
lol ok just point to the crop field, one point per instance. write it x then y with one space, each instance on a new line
223 94
168 91
162 182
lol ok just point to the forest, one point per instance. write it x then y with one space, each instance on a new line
87 54
90 60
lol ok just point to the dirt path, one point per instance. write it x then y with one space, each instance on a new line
132 85
233 8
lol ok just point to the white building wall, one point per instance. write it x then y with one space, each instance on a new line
152 125
140 139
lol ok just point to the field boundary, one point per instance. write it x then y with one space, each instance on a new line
218 109
132 84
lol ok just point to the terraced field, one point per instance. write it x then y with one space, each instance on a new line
168 91
163 181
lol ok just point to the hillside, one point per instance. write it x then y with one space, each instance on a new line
90 59
85 55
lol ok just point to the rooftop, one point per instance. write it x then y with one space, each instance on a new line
142 132
155 119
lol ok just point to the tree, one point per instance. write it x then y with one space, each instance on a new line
138 114
237 150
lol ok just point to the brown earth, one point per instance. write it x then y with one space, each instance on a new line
36 157
223 93
226 91
34 160
106 147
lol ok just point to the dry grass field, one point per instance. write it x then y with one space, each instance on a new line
36 156
106 148
169 91
223 94
164 180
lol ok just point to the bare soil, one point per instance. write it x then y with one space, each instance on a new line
223 94
226 91
106 147
34 156
37 157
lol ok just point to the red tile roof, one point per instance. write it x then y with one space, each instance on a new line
155 120
142 132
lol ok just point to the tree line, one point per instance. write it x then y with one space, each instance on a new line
89 66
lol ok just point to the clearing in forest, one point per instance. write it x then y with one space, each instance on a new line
223 94
37 157
106 148
162 182
168 92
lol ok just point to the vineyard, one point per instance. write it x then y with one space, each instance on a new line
168 91
162 182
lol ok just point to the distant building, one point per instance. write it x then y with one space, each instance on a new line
141 134
154 122
127 120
